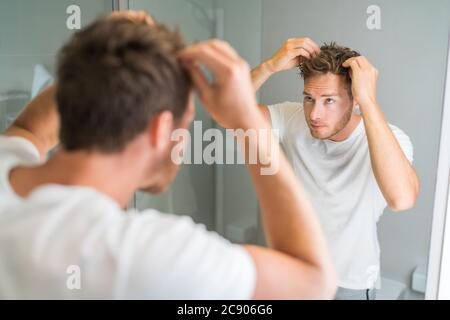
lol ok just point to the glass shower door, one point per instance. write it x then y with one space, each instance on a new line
193 191
31 33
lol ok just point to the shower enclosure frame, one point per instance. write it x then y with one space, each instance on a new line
438 279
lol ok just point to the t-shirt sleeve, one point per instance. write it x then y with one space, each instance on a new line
14 151
174 258
280 114
407 148
404 142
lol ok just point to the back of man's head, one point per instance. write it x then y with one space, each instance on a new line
113 76
329 60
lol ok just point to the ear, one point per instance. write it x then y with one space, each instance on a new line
160 129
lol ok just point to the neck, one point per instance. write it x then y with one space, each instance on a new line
348 129
109 174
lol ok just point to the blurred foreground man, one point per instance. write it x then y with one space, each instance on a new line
124 84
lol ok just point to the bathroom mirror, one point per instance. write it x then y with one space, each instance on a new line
407 40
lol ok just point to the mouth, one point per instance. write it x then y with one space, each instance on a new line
317 126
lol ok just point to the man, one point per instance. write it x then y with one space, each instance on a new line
352 163
123 86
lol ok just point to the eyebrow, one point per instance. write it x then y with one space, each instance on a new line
323 95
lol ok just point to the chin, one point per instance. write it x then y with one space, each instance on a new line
320 135
155 189
163 181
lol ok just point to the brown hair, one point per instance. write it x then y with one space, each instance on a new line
330 59
113 76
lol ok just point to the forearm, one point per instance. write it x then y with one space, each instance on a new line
260 75
38 122
395 175
288 218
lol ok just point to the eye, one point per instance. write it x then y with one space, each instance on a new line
307 99
329 101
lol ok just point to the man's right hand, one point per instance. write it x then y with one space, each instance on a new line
229 99
287 57
291 52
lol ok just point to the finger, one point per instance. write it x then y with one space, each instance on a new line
308 47
225 51
137 16
351 63
355 64
201 84
306 43
224 48
302 52
300 43
314 45
366 65
364 62
346 63
204 54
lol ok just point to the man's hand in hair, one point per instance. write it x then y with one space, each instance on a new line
291 53
364 80
287 57
394 173
138 16
229 98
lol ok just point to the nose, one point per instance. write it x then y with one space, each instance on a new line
316 112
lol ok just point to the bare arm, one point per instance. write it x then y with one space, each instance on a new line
292 232
260 75
297 264
395 175
287 57
38 122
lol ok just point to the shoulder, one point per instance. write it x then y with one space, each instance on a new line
175 253
282 113
286 107
15 151
399 134
19 148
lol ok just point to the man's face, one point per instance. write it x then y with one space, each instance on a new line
327 105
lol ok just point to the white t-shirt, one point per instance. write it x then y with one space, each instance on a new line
60 238
339 179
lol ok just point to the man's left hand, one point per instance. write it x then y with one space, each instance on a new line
364 80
